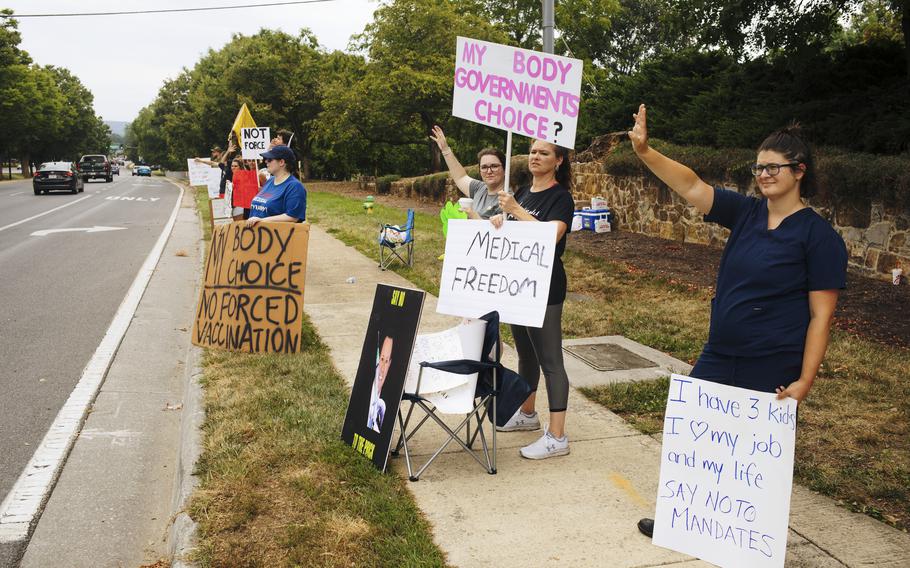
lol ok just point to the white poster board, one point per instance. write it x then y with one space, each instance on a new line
506 269
198 172
254 141
222 212
214 183
449 392
726 474
527 92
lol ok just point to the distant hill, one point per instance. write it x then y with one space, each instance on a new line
117 126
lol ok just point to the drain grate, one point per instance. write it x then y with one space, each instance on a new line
609 357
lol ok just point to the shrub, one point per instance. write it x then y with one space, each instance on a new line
384 183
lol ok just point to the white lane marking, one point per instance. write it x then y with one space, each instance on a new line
11 225
23 504
15 194
128 198
95 229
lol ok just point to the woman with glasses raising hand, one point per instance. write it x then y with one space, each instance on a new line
484 192
780 274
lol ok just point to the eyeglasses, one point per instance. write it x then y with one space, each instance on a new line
772 169
490 167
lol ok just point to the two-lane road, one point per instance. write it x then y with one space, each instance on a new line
59 291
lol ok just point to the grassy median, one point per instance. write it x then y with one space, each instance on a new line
277 485
854 435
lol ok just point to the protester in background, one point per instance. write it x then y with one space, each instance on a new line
245 187
547 200
283 198
282 137
220 160
780 275
492 171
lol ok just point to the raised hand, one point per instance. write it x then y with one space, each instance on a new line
639 133
440 138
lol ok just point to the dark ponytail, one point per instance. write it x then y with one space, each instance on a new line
564 171
790 142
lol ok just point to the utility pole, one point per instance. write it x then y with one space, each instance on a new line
548 24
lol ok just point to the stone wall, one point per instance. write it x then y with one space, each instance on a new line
877 235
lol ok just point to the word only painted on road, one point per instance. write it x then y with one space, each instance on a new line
529 93
506 269
254 141
726 474
128 198
252 293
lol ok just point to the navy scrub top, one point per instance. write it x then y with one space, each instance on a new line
762 302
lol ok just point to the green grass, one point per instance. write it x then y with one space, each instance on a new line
277 485
279 488
345 219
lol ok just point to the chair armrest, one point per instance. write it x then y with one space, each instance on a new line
459 366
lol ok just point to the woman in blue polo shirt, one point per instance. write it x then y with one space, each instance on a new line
283 197
779 276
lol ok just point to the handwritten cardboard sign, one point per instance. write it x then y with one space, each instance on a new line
254 141
726 474
505 269
252 294
528 92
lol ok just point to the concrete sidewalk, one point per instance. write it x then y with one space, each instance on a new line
578 510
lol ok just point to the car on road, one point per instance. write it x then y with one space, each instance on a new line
57 176
95 166
142 171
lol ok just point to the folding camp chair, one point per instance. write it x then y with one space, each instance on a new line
397 242
485 404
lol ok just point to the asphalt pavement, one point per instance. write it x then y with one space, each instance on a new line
66 262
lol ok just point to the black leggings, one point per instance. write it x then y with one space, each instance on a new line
542 348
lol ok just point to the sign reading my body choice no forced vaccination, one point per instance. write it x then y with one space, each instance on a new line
726 474
252 293
528 92
505 269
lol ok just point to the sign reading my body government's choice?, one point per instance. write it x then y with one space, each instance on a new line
528 92
505 269
252 294
726 474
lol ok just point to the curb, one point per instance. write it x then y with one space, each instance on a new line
181 535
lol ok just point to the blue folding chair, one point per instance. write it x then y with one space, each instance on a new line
396 242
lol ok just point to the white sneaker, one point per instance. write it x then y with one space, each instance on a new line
521 421
548 446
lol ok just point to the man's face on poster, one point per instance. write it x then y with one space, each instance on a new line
385 361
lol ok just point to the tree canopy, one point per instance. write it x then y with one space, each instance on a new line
716 73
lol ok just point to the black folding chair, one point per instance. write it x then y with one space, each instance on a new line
487 404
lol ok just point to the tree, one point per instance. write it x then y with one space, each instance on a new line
408 82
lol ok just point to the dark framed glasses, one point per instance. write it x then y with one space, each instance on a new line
772 169
490 167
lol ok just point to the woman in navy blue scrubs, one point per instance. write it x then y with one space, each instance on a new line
779 276
283 197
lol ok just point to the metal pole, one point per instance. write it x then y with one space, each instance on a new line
548 24
508 165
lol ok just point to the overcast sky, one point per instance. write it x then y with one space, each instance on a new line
125 59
